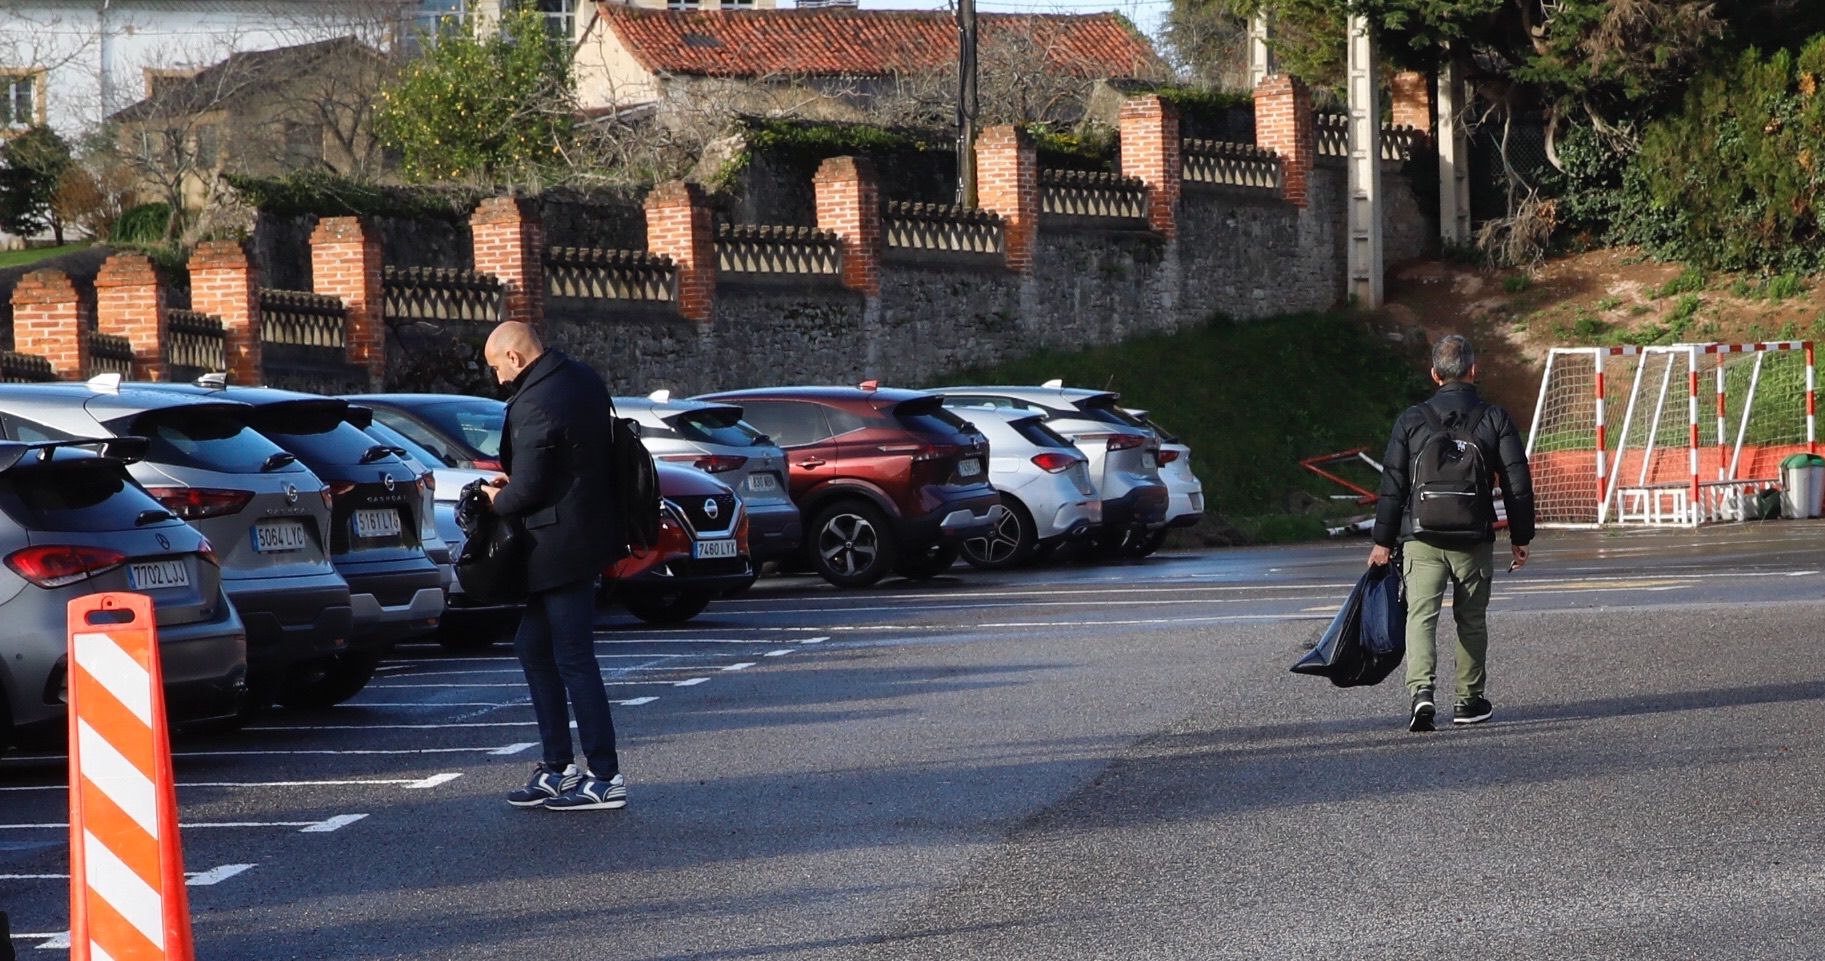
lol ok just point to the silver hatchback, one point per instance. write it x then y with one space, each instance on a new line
267 515
74 523
713 438
1044 482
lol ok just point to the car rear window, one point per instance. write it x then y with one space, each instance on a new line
715 425
209 439
1036 431
387 435
477 423
1102 408
318 434
86 494
927 415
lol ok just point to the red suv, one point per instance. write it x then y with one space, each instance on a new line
888 480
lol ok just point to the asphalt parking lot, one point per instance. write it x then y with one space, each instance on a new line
1068 762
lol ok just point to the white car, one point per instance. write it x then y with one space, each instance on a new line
1044 482
1184 492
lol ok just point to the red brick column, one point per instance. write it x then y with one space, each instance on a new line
1151 150
223 282
509 242
130 303
849 205
1410 100
1285 125
49 320
1007 182
345 263
678 226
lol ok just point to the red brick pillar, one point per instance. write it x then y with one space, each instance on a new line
849 205
223 282
1410 100
130 303
345 263
1151 151
509 242
1007 183
678 226
1284 124
49 321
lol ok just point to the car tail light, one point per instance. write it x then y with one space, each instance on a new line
1126 441
329 499
339 489
429 480
487 463
1053 462
56 566
206 551
196 503
1168 456
708 463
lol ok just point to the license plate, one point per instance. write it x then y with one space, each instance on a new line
969 467
758 482
274 537
152 575
377 523
709 550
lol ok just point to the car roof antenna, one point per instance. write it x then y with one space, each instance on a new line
1053 384
660 396
109 382
215 381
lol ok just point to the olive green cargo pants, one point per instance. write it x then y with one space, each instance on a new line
1428 571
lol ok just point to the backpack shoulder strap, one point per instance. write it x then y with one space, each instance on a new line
1433 420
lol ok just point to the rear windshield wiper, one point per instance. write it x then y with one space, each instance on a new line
278 459
378 451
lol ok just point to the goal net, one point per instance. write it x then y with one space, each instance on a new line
1676 434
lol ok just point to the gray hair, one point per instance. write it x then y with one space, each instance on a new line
1452 357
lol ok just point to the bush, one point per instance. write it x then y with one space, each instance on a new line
144 224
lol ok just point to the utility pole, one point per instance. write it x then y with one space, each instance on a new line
967 105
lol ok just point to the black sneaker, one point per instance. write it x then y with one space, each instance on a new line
546 783
1474 711
1423 709
591 794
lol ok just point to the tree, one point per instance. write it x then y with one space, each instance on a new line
31 165
484 105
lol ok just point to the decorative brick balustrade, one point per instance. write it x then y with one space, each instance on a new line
767 249
1090 193
596 273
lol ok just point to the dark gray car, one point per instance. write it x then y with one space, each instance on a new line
267 515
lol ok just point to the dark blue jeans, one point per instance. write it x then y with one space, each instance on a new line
557 648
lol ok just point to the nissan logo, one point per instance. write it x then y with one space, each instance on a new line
710 508
291 493
164 543
386 481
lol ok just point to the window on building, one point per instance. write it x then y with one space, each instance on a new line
433 17
21 98
560 16
681 4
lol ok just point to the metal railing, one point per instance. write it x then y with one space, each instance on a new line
767 249
945 227
595 272
17 368
110 354
440 293
1231 164
195 344
1397 141
1088 193
302 318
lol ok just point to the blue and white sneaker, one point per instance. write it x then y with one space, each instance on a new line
591 794
547 782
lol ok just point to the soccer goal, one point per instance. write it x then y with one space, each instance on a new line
1677 456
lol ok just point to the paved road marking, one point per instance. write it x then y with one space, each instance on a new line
512 749
436 704
782 652
195 879
518 684
636 701
744 665
689 682
432 781
332 824
336 823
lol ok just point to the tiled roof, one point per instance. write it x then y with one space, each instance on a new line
865 43
243 74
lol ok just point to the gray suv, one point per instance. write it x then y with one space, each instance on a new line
74 523
267 515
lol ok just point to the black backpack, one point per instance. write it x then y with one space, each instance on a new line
1451 503
636 480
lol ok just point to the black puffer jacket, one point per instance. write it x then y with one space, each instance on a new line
1502 447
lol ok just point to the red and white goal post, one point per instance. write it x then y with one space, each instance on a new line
1676 456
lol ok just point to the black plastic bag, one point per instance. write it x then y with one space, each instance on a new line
1368 637
492 563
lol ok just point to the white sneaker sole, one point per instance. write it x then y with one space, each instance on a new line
609 805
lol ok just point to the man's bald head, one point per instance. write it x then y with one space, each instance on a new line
511 348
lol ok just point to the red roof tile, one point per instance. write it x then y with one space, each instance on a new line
840 42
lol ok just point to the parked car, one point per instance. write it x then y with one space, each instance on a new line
394 588
1185 493
1044 482
891 481
702 552
1124 462
467 624
73 522
267 515
713 438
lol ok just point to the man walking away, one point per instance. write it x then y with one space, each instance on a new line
555 450
1437 504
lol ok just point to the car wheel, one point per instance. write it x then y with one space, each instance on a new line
1105 545
1010 543
928 562
330 682
851 545
667 607
1143 543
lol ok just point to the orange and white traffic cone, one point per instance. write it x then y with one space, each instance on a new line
127 899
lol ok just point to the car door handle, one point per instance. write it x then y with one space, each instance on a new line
811 462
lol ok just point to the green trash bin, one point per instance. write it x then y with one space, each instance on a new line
1816 468
1797 497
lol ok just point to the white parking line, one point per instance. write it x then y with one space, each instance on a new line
512 749
435 703
689 682
404 663
518 684
636 701
782 652
332 824
336 823
744 665
216 875
516 672
409 784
